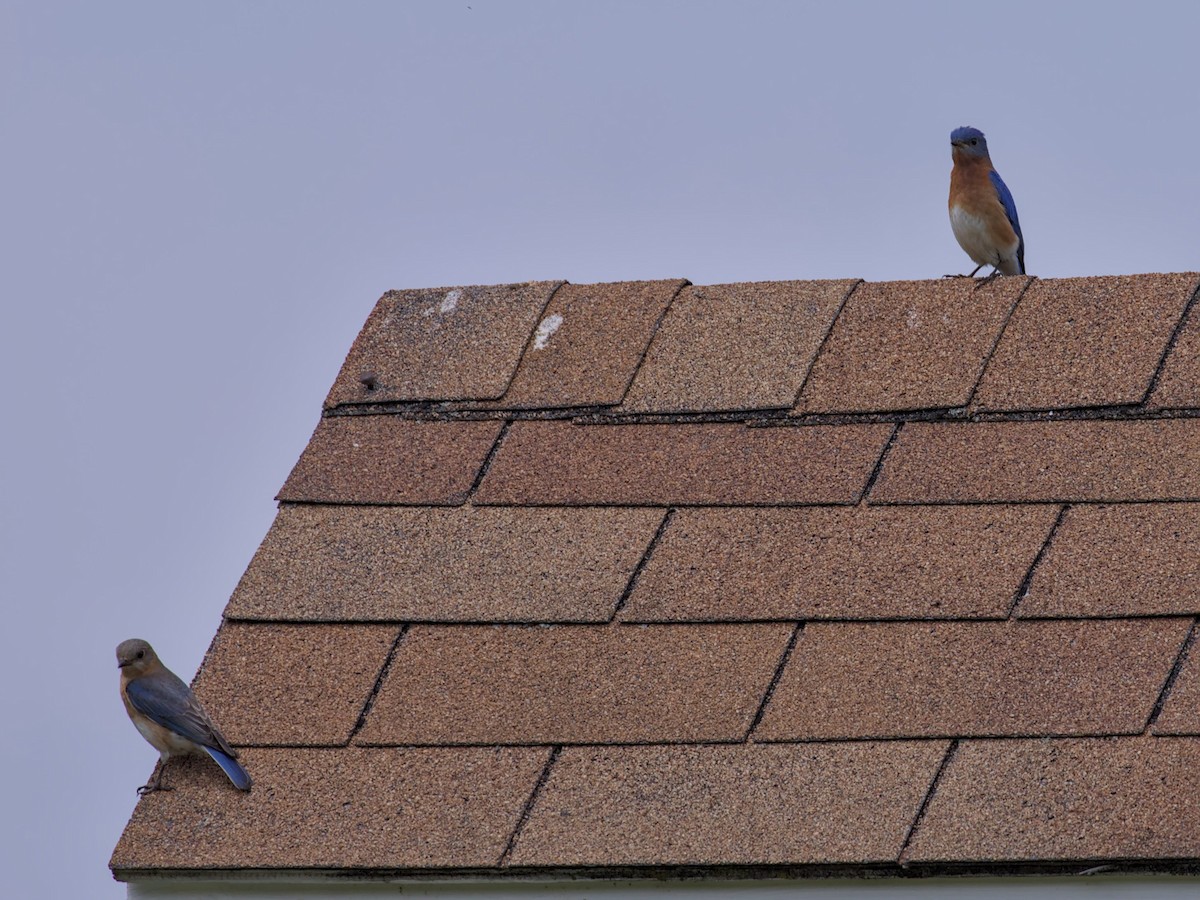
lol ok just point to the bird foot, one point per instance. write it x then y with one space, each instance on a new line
154 784
982 281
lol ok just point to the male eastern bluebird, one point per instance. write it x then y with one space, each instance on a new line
169 716
982 212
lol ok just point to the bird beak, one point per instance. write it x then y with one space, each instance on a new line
122 664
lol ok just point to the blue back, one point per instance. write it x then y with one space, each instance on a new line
166 700
1010 210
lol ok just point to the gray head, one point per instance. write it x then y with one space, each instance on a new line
969 141
136 655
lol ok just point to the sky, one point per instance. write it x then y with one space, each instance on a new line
200 204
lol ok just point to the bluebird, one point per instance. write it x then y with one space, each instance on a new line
169 716
982 212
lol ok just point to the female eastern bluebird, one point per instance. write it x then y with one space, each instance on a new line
169 716
982 212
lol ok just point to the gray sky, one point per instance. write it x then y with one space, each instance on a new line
202 202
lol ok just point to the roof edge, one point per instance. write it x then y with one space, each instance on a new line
1117 868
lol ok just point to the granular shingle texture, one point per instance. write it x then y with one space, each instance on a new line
1124 559
560 463
1040 462
680 805
1085 342
575 684
385 459
387 808
460 343
473 564
588 344
312 704
1179 380
736 346
926 679
909 345
662 580
1068 799
865 562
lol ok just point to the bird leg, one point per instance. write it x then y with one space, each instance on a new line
156 782
992 277
972 275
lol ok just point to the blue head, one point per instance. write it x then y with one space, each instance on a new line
970 141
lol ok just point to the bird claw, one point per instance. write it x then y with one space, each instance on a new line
154 784
982 281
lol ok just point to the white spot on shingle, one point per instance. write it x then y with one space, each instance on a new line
450 301
914 319
545 328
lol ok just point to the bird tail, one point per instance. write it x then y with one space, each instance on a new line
239 776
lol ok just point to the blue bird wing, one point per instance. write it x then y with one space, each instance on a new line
1010 210
239 776
165 699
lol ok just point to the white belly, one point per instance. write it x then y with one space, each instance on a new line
167 742
971 232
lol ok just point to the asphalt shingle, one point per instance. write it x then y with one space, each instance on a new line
569 582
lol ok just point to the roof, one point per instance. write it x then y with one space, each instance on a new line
651 577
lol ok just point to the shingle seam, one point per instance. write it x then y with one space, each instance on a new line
877 469
673 502
1185 316
1108 735
1073 500
661 873
1172 676
378 685
929 794
664 623
987 359
772 418
487 460
784 659
783 504
1023 588
527 810
825 340
650 343
641 564
529 340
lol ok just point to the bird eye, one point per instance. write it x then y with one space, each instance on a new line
141 653
974 142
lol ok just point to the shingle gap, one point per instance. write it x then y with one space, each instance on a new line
375 688
987 360
641 564
933 785
1162 360
532 336
487 460
653 334
784 658
875 472
527 810
1172 676
824 340
1023 588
